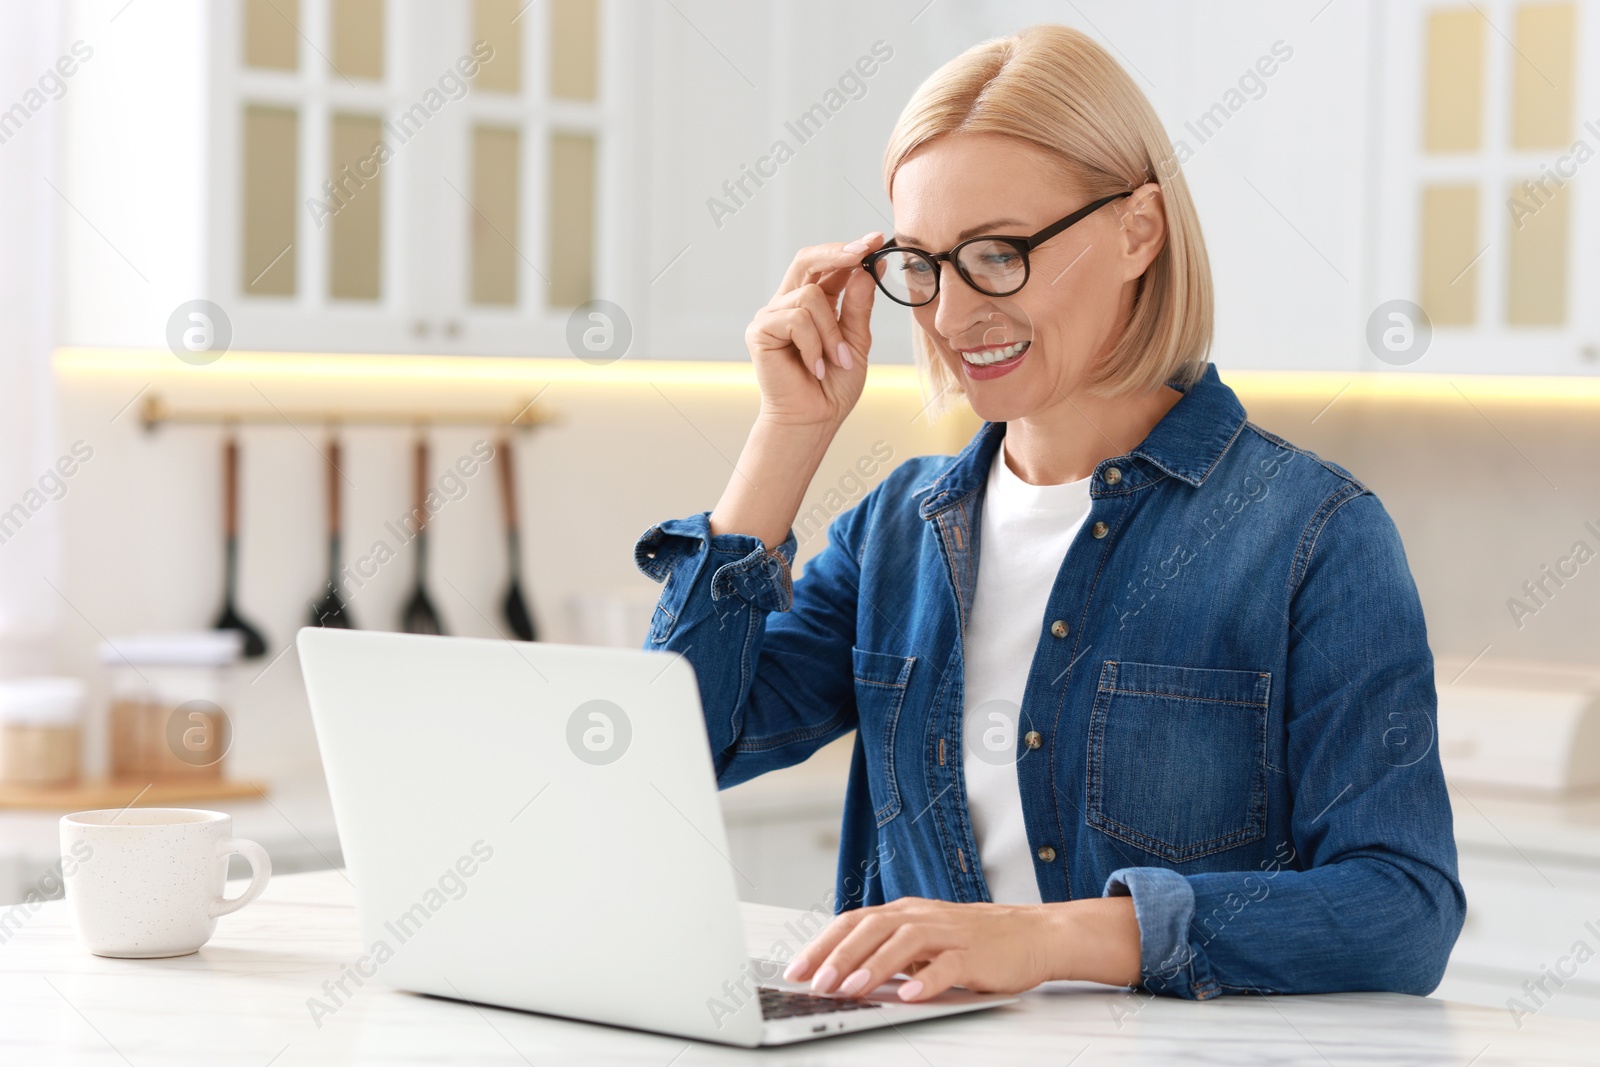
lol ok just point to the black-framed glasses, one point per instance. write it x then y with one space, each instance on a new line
994 265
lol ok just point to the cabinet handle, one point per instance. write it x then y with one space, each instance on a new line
452 328
420 328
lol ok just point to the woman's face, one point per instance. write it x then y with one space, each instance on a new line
1081 283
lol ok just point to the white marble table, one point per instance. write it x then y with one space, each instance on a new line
243 1000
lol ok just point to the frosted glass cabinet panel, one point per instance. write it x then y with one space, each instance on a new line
1542 89
358 42
271 34
572 181
1453 66
494 22
355 237
575 49
267 219
1450 254
496 180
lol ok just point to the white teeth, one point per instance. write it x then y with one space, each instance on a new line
995 355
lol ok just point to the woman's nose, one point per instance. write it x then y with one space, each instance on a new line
958 309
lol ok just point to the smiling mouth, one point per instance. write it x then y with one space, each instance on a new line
984 357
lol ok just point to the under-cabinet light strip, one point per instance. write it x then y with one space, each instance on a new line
1266 385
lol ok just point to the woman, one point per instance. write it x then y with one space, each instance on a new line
1142 693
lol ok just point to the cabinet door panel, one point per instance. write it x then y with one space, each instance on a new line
307 185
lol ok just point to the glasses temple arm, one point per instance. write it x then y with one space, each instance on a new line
1077 216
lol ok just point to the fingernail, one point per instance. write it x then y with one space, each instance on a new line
855 983
874 235
819 368
911 989
856 246
823 982
845 359
796 968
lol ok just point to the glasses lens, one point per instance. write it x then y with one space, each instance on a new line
993 267
909 277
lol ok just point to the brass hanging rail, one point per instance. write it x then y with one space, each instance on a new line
526 416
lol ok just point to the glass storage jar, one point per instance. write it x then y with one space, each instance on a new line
168 695
41 731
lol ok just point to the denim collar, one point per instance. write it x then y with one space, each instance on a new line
1187 443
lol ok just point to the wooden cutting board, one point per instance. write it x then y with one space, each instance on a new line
92 795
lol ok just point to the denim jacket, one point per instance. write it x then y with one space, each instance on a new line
1229 715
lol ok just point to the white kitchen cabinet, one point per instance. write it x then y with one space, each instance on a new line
455 240
1322 197
351 175
458 177
498 204
1484 210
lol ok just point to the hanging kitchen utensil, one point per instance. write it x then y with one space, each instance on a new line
419 616
254 644
331 609
513 607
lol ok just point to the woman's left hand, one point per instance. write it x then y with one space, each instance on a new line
990 948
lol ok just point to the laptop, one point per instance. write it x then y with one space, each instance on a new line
536 826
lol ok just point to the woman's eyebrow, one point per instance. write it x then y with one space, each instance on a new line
970 231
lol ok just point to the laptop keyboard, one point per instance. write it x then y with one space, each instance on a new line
782 1004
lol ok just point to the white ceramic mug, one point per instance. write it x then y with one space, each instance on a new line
144 883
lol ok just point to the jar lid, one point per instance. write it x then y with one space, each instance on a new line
197 648
41 701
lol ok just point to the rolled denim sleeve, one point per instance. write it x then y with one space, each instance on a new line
741 565
1163 904
771 655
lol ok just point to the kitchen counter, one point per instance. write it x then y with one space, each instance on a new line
243 1000
293 821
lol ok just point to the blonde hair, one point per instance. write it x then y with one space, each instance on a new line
1054 87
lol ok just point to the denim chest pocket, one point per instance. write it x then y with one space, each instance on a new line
880 683
1178 758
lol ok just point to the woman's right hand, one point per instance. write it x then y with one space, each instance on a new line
809 344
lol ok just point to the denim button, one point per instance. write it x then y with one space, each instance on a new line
1113 475
1099 530
1059 628
1032 739
1047 854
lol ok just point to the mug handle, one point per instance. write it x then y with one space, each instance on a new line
260 871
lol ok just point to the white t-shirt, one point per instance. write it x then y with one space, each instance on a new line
1026 532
